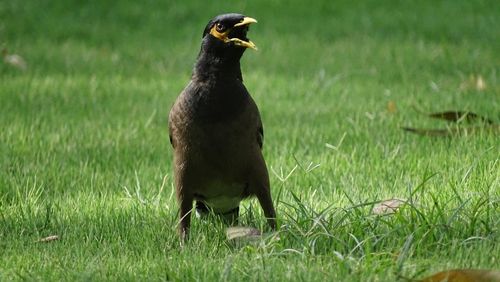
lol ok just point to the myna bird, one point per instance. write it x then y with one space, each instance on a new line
216 130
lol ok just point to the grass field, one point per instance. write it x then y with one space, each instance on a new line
84 151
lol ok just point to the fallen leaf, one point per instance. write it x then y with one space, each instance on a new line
456 116
49 239
434 86
464 275
454 131
480 84
14 60
391 107
240 232
388 206
473 83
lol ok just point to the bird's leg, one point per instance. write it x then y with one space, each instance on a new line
202 210
183 189
264 196
186 206
260 187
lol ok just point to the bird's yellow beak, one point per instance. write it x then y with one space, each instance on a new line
246 21
238 42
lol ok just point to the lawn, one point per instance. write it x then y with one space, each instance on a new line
84 150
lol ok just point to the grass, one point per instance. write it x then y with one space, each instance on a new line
84 151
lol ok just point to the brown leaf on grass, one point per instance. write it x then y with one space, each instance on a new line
14 60
242 236
240 232
480 84
455 116
391 107
474 82
49 239
388 206
454 131
464 275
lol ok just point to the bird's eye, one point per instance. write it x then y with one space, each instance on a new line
220 27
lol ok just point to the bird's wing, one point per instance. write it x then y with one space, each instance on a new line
257 121
176 117
170 128
260 135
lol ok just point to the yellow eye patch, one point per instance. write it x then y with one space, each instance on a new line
220 35
238 42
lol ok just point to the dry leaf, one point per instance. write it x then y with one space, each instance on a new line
242 236
240 232
428 132
456 116
49 239
391 107
480 84
434 86
464 275
454 131
474 83
388 206
14 60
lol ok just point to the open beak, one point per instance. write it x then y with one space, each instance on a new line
243 43
236 41
246 21
247 44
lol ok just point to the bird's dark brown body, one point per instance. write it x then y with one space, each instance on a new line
216 130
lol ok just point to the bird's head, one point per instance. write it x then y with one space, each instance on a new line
229 31
224 42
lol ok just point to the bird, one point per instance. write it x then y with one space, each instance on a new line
216 132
